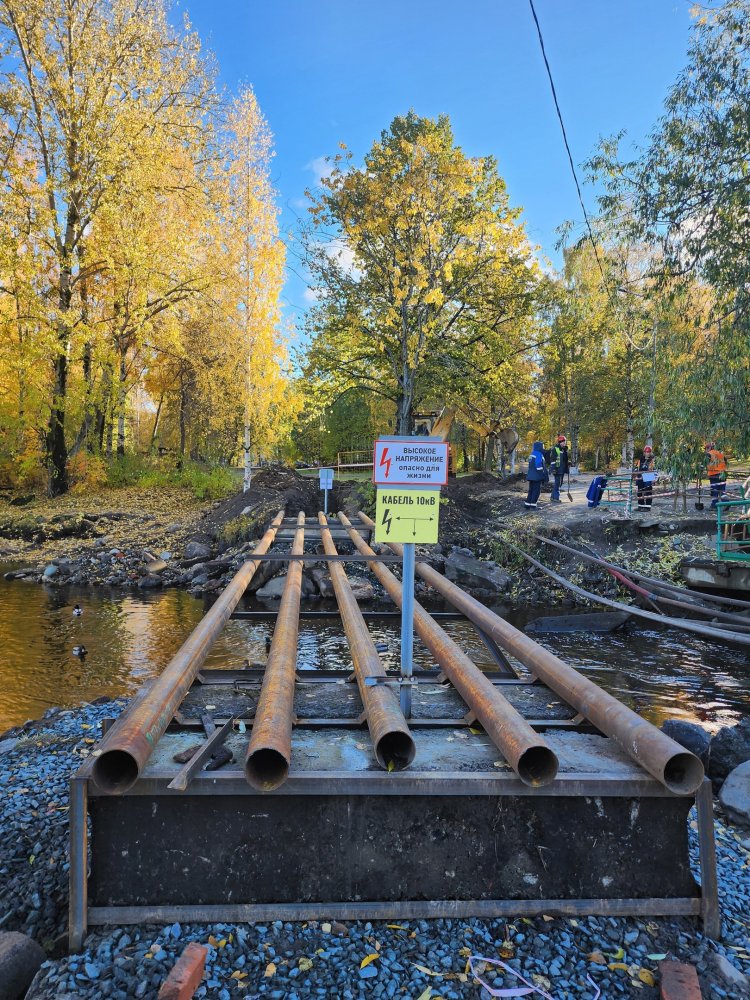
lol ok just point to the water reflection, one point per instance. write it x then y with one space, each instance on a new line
131 636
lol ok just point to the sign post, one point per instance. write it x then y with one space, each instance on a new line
408 473
326 484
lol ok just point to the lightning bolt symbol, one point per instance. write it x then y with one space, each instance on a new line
385 462
387 519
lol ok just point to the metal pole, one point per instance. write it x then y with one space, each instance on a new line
269 752
325 502
407 626
389 731
123 752
525 750
680 771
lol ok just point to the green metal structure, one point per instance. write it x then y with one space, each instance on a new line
733 530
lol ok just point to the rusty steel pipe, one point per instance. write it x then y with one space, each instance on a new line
680 771
389 731
526 751
127 746
269 751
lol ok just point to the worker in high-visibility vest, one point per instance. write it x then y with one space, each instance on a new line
717 471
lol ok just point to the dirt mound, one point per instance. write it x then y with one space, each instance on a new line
271 490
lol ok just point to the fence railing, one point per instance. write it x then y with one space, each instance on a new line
733 530
352 461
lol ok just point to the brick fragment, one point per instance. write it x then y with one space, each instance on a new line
186 974
679 981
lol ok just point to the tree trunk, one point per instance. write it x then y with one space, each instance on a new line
183 417
121 401
55 443
156 423
489 454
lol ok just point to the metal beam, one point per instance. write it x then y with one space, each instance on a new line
670 763
527 753
125 749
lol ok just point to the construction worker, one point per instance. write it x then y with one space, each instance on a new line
645 478
717 472
559 466
536 475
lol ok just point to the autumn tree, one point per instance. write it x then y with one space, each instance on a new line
417 258
86 83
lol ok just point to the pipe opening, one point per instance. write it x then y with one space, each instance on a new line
683 773
266 769
537 766
395 748
115 771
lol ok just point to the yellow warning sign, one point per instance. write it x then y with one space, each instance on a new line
407 516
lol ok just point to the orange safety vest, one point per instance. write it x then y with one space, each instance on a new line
716 463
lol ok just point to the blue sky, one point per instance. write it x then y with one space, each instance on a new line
327 72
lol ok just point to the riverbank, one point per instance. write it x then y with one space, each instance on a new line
278 960
158 539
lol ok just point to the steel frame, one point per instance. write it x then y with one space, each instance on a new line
407 783
706 905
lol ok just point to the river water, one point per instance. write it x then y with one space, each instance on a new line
130 636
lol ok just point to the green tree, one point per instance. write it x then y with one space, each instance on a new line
688 193
417 258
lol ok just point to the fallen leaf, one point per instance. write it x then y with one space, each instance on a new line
597 958
506 950
368 958
464 952
477 732
546 918
237 974
397 927
541 981
326 928
305 964
427 972
426 995
657 958
212 940
391 766
647 977
617 955
617 965
270 970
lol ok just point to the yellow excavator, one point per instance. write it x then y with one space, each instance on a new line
438 424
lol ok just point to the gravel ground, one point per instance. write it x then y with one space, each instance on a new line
414 959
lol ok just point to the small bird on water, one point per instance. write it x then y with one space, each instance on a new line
78 611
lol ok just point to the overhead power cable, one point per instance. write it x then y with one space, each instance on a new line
567 144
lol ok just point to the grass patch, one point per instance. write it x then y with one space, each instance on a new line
204 482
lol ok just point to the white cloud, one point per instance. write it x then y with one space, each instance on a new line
310 296
321 167
343 254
